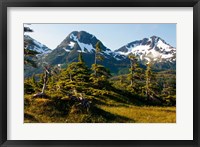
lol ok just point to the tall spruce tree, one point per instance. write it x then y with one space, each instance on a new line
133 64
100 74
151 87
78 71
98 56
136 74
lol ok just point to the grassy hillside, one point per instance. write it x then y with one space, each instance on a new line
78 94
46 110
106 106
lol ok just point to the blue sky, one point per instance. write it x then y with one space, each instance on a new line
113 36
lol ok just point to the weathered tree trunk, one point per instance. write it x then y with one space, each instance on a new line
42 94
95 62
131 77
147 93
131 72
70 77
45 82
148 81
95 58
95 73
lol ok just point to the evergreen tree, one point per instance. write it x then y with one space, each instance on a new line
98 56
169 90
34 82
100 77
151 87
28 86
78 71
148 80
133 64
29 55
100 74
75 76
136 75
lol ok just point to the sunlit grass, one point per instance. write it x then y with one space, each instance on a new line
144 114
113 108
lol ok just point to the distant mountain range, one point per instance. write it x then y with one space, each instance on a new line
154 49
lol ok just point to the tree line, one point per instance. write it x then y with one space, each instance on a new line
78 77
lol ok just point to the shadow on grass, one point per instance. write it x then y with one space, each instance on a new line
120 96
170 111
109 117
30 118
134 99
99 102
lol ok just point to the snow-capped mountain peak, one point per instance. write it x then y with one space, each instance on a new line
149 49
34 45
82 41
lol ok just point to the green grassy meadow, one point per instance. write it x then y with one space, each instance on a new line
104 109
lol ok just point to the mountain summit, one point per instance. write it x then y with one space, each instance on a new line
82 42
150 49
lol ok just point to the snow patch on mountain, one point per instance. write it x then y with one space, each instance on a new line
38 43
108 52
162 45
67 50
71 44
167 56
84 47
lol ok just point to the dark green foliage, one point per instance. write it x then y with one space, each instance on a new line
151 87
136 75
28 88
161 86
77 71
98 56
148 78
100 74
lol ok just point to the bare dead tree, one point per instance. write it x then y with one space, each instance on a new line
47 73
